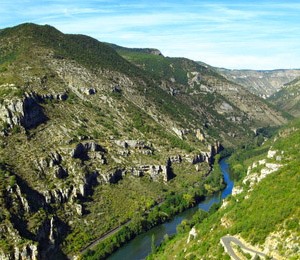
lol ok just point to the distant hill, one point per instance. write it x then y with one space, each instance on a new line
263 83
220 101
288 98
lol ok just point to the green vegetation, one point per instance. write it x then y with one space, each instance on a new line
110 183
94 54
287 99
174 203
215 179
272 207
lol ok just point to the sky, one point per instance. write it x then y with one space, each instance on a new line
226 33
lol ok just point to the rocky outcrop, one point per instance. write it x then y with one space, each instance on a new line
175 159
52 164
199 158
53 159
57 96
88 91
61 195
29 251
116 89
15 198
173 91
200 136
156 172
25 112
155 52
160 171
192 235
49 235
136 145
80 189
113 176
207 156
260 170
180 132
60 172
90 181
81 151
194 78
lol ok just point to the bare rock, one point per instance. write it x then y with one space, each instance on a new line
114 176
192 235
24 112
200 135
175 159
81 150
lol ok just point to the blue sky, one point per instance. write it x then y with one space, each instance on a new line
226 33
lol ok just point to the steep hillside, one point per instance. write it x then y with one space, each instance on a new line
218 100
88 142
288 98
263 83
91 143
261 216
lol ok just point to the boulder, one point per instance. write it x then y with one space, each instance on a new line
192 235
116 89
89 91
175 158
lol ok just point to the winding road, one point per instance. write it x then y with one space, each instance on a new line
227 242
100 239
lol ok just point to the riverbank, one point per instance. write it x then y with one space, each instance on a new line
140 247
161 213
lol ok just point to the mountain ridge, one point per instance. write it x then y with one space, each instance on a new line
287 98
87 133
263 83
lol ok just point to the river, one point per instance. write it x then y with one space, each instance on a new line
140 246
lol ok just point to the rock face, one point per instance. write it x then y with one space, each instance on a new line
60 172
60 195
176 159
180 132
49 235
80 190
82 149
262 83
200 135
135 145
192 235
156 172
114 176
24 112
29 251
208 156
